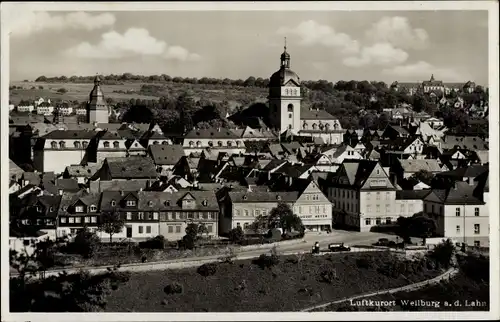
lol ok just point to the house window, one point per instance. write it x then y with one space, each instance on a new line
62 144
79 209
368 221
63 220
477 229
458 229
86 219
177 229
229 143
477 243
148 229
129 216
219 143
457 212
94 219
93 208
113 203
378 195
78 220
210 143
290 115
209 229
77 145
140 216
106 144
378 208
53 145
170 229
432 209
155 216
191 144
71 220
198 143
116 144
378 220
246 212
156 142
388 220
141 229
476 211
130 203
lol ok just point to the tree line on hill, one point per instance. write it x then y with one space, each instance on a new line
355 103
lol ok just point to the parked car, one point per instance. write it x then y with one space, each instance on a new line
382 242
339 247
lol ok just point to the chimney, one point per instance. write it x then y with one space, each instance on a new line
249 188
218 129
122 193
140 189
60 192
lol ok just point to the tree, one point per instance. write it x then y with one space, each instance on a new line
202 229
282 216
236 235
424 176
111 223
86 242
62 90
443 253
419 225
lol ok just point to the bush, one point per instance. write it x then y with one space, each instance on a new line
158 242
266 261
364 262
187 242
443 253
328 275
62 90
174 288
208 269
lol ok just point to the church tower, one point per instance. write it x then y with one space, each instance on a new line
97 109
285 97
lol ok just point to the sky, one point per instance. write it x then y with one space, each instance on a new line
333 45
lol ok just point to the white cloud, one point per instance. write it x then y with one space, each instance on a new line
26 23
378 54
134 42
312 33
398 31
422 70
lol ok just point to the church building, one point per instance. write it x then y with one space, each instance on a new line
97 109
287 114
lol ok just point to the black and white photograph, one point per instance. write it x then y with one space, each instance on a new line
253 160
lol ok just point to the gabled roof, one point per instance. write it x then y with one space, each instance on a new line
214 133
85 171
260 196
131 167
166 154
412 194
409 166
317 114
70 135
355 172
471 171
461 194
14 169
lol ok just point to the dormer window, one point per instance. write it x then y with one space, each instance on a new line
204 203
238 143
210 143
164 142
314 126
155 142
51 209
62 144
130 203
278 197
150 203
93 208
116 144
191 144
77 145
113 203
219 143
167 203
106 144
229 143
198 143
84 145
245 197
53 145
79 209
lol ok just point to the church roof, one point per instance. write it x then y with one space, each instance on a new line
283 76
96 99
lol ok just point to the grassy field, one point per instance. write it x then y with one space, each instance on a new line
291 285
236 96
78 92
